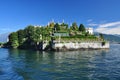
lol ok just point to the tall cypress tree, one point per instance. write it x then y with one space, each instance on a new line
81 28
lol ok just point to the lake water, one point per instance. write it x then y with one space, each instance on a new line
75 65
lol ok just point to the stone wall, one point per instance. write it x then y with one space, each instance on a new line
80 45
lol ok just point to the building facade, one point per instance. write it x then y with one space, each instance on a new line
90 30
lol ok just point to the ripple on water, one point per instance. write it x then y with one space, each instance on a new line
75 65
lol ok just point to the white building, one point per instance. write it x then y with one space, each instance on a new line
90 30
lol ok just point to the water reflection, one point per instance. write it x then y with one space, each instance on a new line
35 65
72 65
6 68
39 56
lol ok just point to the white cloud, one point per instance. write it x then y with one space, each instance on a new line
109 28
89 20
110 24
92 24
115 30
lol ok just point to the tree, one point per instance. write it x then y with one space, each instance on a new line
1 44
51 25
74 26
87 34
57 27
64 26
101 36
81 28
37 35
13 40
21 36
29 31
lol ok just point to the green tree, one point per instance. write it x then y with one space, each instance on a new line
37 35
101 36
57 27
64 26
74 26
81 28
1 44
51 25
29 32
13 40
87 34
21 37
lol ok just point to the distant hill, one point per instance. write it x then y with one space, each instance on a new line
3 37
112 38
117 35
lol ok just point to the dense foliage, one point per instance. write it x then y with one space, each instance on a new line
1 44
74 26
33 36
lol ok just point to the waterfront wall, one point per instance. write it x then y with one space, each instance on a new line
80 45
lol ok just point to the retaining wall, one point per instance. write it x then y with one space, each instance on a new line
81 45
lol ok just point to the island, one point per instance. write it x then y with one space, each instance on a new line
56 37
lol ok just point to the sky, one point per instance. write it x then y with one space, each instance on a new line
102 15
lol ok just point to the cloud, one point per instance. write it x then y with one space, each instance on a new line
115 30
109 28
110 24
89 20
92 24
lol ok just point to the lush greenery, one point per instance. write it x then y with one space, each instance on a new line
33 36
1 44
30 37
